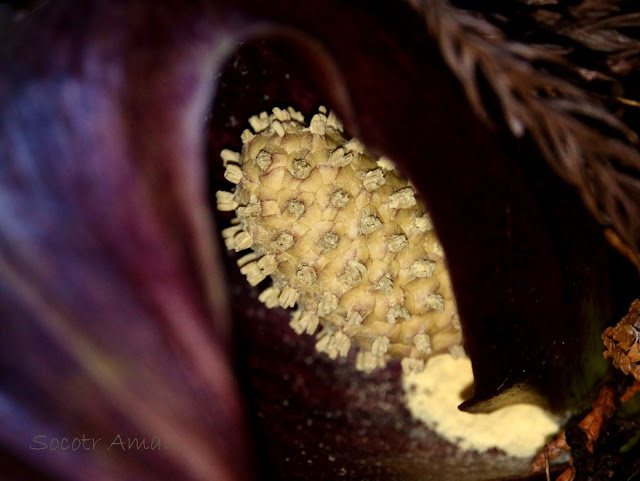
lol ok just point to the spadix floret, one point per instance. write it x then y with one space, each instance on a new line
343 238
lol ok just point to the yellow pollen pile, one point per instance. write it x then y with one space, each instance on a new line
433 397
343 238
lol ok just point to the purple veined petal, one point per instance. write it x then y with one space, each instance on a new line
114 315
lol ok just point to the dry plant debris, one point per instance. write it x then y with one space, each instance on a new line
602 409
621 342
622 347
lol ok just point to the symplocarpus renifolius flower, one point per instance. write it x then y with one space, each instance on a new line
343 239
117 305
